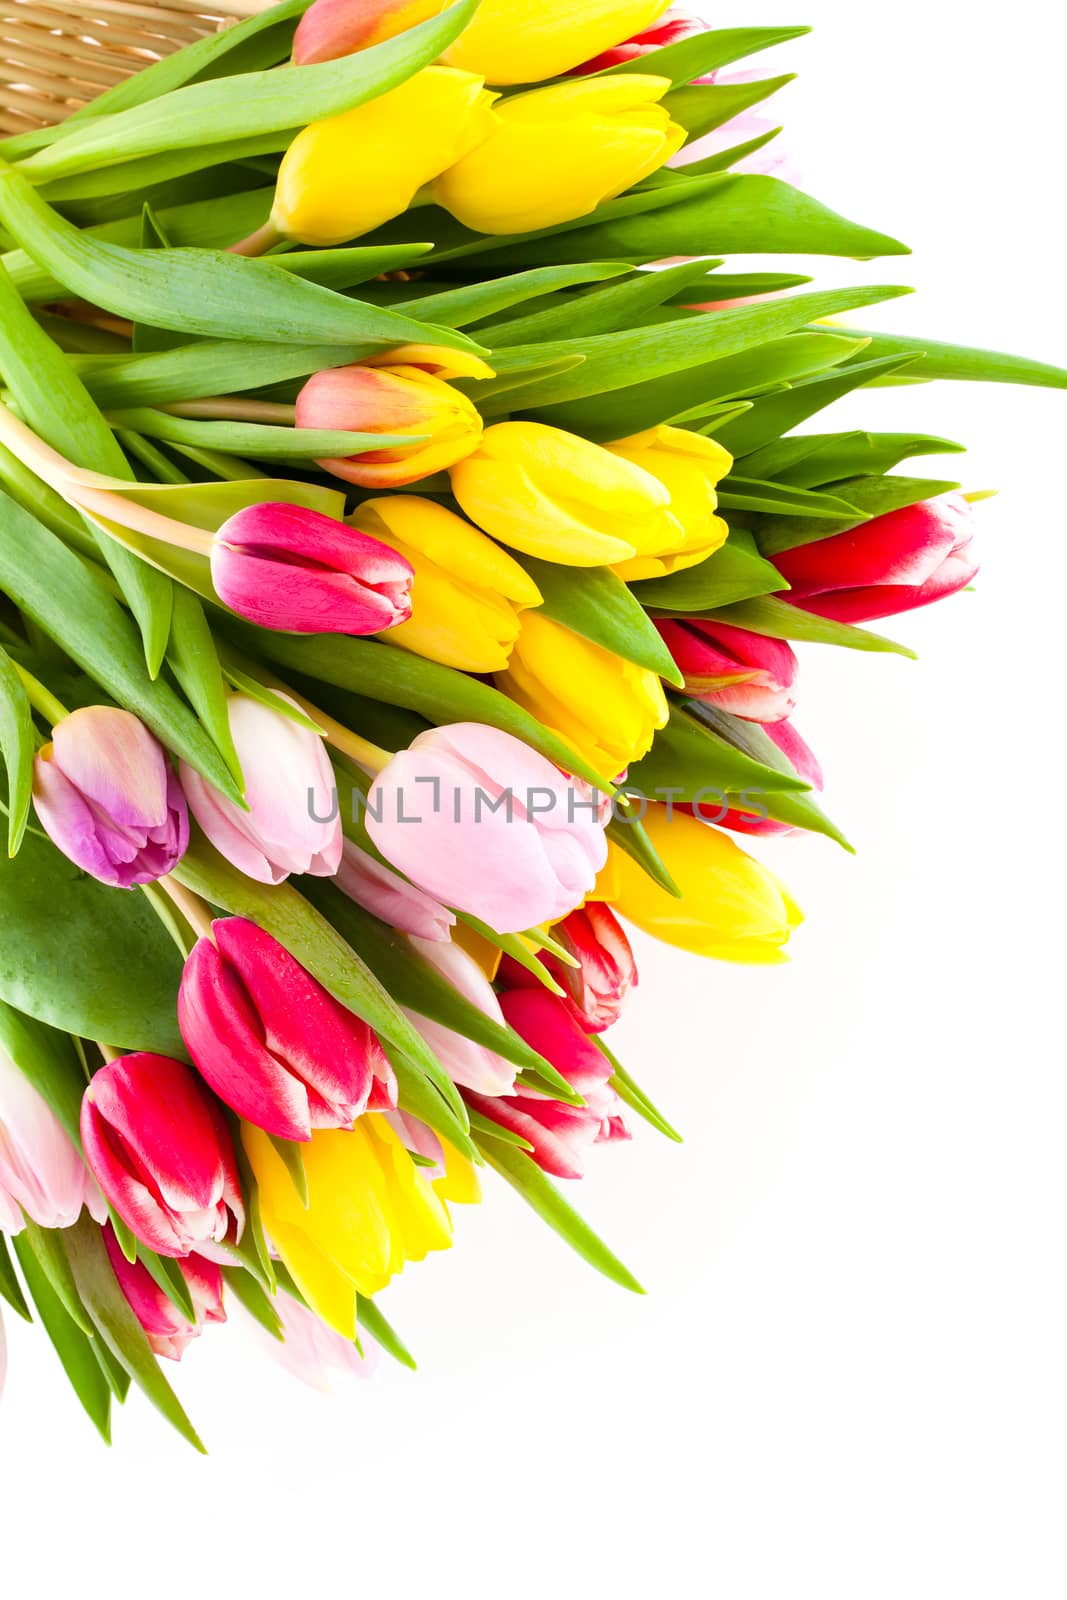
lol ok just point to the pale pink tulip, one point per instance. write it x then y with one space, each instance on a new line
309 1350
467 1063
483 823
388 896
41 1173
293 823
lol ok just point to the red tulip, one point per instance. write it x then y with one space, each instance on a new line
158 1145
745 673
807 767
168 1329
597 988
896 562
672 29
560 1134
271 1041
298 571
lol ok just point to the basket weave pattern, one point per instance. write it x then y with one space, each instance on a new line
57 55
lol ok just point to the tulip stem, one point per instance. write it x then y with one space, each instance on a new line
108 1051
229 408
258 242
192 908
40 698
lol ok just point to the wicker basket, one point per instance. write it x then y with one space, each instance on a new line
57 55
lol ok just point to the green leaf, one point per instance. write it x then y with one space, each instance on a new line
813 460
169 1279
776 414
592 601
372 1319
215 366
472 302
291 1158
210 292
783 500
211 113
351 265
580 316
691 762
871 497
631 1094
526 1177
382 672
629 833
493 1130
705 52
64 599
118 1326
734 572
780 620
251 1294
70 1342
421 1097
194 660
264 441
10 1289
18 745
45 1245
701 108
966 364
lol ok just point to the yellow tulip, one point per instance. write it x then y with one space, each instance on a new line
689 466
369 1211
344 176
731 907
608 709
555 154
467 593
554 495
526 41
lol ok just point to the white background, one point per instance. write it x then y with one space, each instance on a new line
847 1379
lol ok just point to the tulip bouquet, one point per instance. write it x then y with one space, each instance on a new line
405 532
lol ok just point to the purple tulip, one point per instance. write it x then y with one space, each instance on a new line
107 797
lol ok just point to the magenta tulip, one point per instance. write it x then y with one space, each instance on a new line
295 570
896 562
561 1134
292 823
169 1330
106 796
271 1041
42 1176
596 989
158 1145
745 673
388 896
483 823
472 1065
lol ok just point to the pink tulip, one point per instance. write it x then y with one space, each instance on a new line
472 1065
271 1041
158 1145
107 797
285 567
560 1134
483 823
309 1350
420 1140
41 1173
169 1330
741 672
388 896
807 767
772 160
332 28
597 988
896 562
293 823
671 29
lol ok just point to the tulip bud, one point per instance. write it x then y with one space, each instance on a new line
390 898
293 822
748 674
554 495
405 394
896 562
806 766
106 796
309 1350
689 466
731 907
158 1145
596 989
333 28
555 154
284 567
607 709
169 1330
483 823
467 1063
467 593
526 41
271 1041
675 27
41 1173
345 176
560 1134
